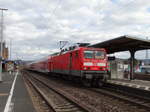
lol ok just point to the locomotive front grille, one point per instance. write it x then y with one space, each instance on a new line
94 74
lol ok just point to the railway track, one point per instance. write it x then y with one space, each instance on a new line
132 99
56 99
128 102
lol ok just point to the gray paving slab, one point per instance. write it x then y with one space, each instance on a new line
21 100
138 82
5 87
141 84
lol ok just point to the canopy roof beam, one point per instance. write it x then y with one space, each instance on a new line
124 43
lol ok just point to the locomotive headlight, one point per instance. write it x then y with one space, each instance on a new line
101 64
88 64
84 68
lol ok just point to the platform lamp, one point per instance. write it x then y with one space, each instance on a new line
1 41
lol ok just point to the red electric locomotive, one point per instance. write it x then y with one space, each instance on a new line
84 63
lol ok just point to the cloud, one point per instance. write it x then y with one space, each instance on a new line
36 27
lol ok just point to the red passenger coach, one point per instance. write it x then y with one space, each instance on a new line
40 65
84 63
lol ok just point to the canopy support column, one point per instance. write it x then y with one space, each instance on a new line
132 58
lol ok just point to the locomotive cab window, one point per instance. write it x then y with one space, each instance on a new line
99 54
94 54
89 54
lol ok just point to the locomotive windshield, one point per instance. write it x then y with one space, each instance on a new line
99 54
94 54
89 54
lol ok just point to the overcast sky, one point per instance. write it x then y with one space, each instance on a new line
35 27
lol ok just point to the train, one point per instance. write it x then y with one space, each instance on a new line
87 64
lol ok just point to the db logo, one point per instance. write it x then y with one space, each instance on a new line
94 64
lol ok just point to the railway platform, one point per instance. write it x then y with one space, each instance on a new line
139 84
14 96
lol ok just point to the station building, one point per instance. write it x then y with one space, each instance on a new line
5 55
120 68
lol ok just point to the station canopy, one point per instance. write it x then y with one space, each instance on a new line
123 43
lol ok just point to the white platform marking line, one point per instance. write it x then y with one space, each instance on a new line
123 83
7 106
146 88
138 86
